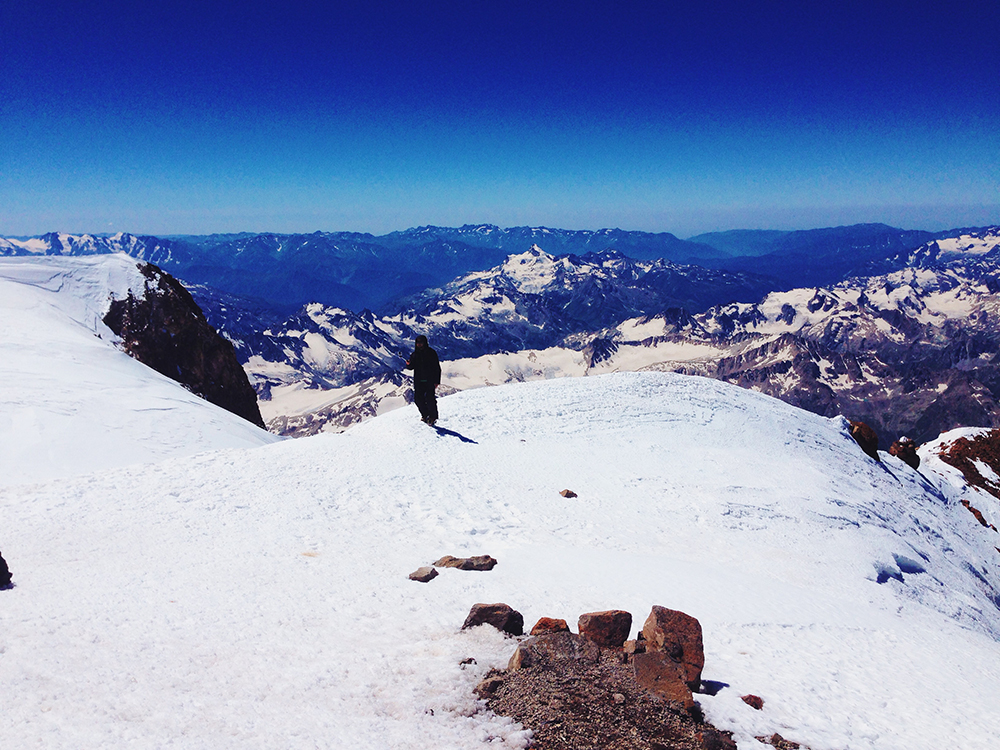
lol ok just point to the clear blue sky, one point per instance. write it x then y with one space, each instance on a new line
198 117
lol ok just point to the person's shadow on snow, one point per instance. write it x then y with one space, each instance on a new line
452 433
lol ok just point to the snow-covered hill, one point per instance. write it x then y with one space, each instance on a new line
71 402
259 598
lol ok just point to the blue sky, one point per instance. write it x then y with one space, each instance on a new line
198 117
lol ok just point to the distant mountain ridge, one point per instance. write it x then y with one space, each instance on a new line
351 270
356 270
912 351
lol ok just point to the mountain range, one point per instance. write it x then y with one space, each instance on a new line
903 335
356 270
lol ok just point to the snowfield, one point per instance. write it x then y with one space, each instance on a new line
182 579
71 403
259 597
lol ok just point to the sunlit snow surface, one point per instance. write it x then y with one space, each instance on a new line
259 597
71 403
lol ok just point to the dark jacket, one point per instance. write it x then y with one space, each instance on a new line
425 365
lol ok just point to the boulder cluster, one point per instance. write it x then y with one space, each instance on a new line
598 689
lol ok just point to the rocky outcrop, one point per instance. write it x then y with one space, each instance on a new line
165 330
906 451
866 438
501 616
965 453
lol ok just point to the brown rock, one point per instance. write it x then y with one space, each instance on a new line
424 574
754 701
662 676
501 616
488 686
866 437
637 646
978 514
477 562
568 493
608 629
678 635
906 451
776 740
548 651
549 625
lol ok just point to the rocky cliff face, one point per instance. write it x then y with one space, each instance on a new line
165 330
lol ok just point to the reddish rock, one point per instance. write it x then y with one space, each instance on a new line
978 514
656 672
754 701
548 651
477 562
423 575
637 646
968 454
866 437
549 625
568 493
501 616
906 451
608 629
776 740
678 635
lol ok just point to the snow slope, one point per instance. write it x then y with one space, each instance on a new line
259 598
72 403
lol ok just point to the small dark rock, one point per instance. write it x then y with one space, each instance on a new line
568 493
776 740
477 562
424 574
501 616
754 701
488 686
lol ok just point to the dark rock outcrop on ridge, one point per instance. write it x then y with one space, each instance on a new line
165 330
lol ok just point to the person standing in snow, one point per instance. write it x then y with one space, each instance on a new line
5 576
426 377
